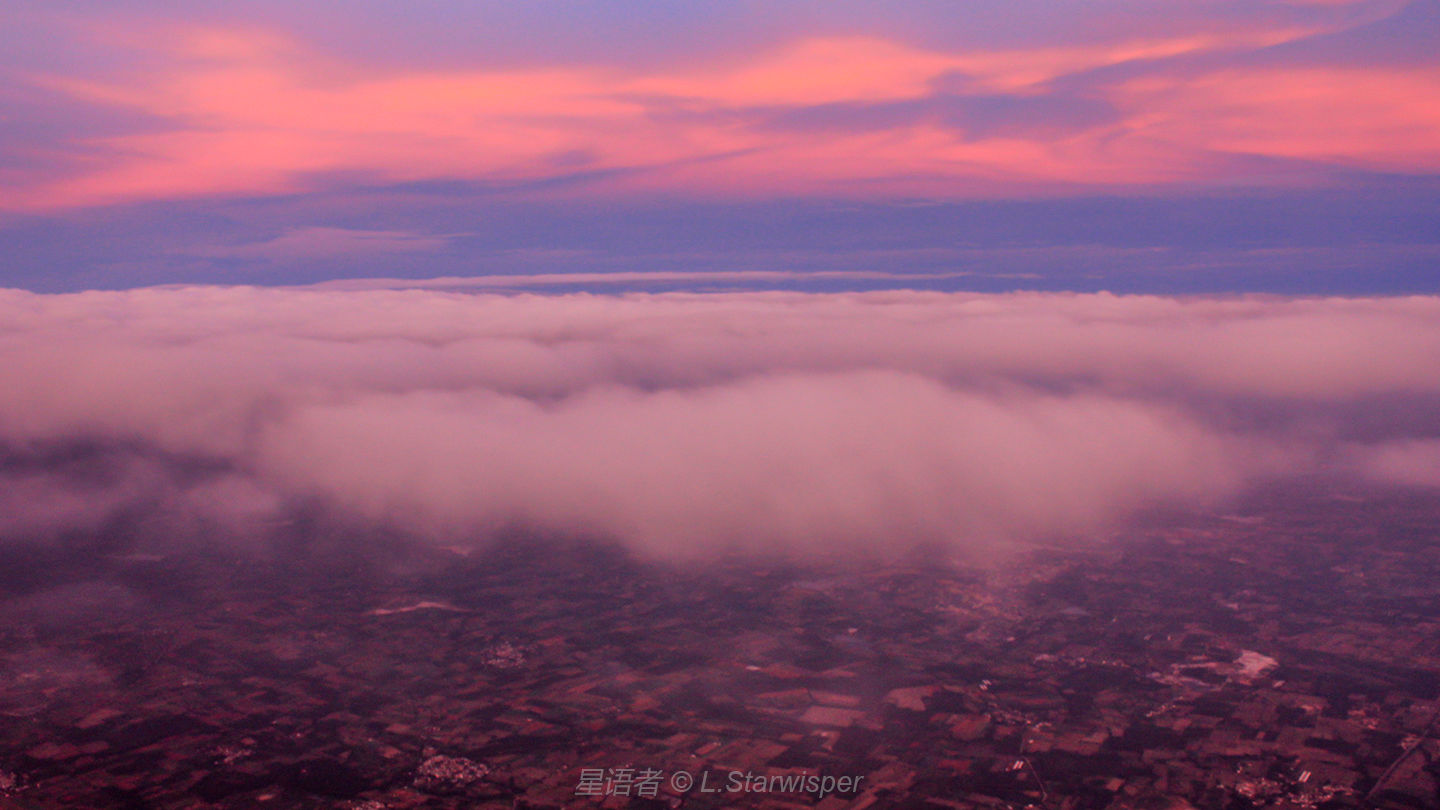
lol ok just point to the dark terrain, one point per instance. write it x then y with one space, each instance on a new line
1283 656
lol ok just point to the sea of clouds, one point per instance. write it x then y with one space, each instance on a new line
685 424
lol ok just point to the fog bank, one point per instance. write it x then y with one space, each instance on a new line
685 424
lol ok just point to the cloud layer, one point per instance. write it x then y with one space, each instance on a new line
685 424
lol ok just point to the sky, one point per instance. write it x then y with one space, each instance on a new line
1153 147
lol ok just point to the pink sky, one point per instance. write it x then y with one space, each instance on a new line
1137 145
260 106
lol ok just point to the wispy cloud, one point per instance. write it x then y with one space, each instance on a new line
321 243
255 111
622 279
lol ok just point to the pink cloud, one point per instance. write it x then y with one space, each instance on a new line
682 424
1379 118
1411 463
254 112
806 463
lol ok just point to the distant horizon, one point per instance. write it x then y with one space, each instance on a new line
718 283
